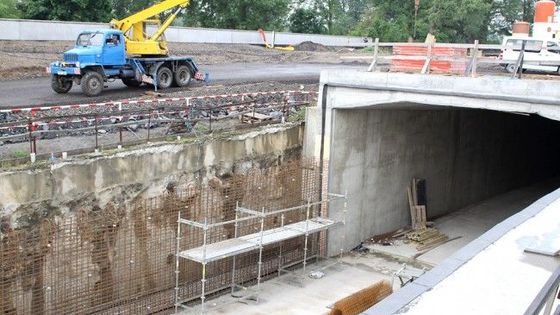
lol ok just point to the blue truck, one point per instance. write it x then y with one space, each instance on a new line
100 56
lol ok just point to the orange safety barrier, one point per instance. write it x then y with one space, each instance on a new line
436 66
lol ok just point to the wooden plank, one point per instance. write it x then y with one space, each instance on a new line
422 215
414 192
412 209
254 117
375 54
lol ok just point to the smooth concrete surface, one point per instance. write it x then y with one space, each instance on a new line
297 294
491 275
470 138
469 223
15 29
465 156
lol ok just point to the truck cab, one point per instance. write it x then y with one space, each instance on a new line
96 56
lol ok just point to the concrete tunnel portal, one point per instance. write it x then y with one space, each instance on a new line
468 149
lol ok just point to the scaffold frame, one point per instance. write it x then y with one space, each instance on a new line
232 247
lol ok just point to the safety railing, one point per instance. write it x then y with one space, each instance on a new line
546 297
53 132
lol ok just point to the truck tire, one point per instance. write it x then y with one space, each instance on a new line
131 82
182 76
164 78
60 84
92 83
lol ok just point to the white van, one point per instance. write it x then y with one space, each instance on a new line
542 55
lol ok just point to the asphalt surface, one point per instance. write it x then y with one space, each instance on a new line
30 92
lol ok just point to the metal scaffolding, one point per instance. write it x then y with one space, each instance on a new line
211 252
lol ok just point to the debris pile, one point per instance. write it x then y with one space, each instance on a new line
311 46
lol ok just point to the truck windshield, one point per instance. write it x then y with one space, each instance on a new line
90 39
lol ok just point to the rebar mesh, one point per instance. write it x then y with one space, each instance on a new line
120 259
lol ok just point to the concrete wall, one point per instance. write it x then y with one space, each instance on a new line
471 138
11 29
142 172
465 155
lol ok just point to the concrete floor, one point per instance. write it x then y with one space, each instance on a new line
284 295
469 223
287 295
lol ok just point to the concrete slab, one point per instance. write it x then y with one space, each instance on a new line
282 296
470 223
502 279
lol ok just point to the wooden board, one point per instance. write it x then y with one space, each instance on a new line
252 118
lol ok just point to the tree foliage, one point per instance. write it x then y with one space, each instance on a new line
8 9
448 20
238 14
305 20
67 10
459 21
390 20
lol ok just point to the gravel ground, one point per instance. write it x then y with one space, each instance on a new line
27 59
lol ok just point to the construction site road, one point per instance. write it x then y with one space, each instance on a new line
37 91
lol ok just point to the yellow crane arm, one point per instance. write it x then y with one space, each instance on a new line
134 28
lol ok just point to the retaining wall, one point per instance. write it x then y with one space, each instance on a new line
15 29
143 172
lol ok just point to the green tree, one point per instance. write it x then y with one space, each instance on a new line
448 20
305 20
388 22
67 10
8 9
238 14
459 21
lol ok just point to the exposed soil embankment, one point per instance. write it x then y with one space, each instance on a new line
29 59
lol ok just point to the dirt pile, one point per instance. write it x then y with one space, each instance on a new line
311 46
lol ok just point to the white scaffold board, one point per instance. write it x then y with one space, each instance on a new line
219 250
243 244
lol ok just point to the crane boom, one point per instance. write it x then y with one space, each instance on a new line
134 28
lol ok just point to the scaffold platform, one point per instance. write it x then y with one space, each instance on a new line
247 243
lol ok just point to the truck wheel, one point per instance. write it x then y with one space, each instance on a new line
164 78
183 76
61 85
131 82
92 83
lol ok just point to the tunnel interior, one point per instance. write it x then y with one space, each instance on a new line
465 155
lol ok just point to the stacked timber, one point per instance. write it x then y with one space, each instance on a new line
425 236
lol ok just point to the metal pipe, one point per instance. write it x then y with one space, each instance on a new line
96 134
543 297
306 237
260 256
233 262
203 280
177 250
280 246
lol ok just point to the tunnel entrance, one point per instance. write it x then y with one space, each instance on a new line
466 156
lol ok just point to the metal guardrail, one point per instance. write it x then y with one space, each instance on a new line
545 298
179 116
